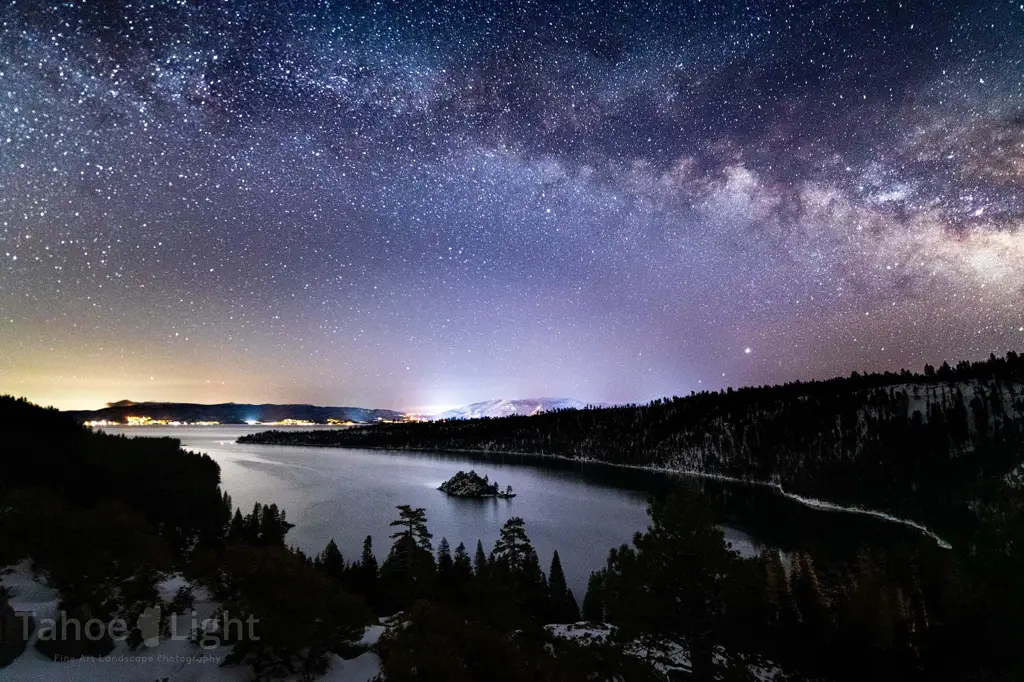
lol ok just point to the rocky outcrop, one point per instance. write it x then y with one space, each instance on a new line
470 484
75 635
14 632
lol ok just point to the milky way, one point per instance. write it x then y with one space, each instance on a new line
414 205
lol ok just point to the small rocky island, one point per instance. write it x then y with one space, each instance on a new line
470 484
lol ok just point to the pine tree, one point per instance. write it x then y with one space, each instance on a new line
409 569
414 524
562 607
672 584
223 523
252 525
236 530
367 561
462 567
445 564
479 560
365 572
593 603
513 547
332 563
516 577
533 576
273 526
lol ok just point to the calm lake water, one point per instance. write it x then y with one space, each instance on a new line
582 510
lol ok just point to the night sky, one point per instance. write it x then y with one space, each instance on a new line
416 205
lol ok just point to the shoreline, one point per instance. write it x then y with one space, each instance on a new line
813 503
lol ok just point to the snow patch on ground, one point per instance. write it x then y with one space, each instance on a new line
30 595
174 658
362 668
664 655
372 635
582 632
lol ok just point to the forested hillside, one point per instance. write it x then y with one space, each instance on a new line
925 445
105 521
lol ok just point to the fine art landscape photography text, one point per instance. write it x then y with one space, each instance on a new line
586 341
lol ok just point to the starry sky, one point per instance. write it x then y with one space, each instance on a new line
423 204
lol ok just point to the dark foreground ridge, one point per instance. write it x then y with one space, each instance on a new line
470 484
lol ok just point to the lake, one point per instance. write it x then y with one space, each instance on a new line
580 509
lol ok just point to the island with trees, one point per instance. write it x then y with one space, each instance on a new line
471 484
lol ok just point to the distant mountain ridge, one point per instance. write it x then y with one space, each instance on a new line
232 413
508 408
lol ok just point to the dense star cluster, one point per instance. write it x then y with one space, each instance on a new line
422 204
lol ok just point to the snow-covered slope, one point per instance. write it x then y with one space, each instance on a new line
507 408
173 657
669 658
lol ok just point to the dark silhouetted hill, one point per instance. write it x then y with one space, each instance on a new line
231 413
